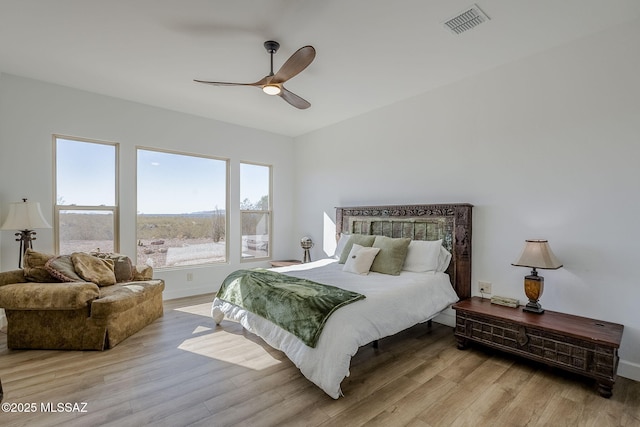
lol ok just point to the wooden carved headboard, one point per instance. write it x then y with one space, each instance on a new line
449 222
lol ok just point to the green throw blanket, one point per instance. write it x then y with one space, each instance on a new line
298 306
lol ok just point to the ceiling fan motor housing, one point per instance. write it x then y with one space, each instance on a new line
271 46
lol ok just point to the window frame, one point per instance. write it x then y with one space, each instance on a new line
226 201
269 211
114 209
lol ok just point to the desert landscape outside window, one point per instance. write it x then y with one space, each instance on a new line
181 209
86 205
255 210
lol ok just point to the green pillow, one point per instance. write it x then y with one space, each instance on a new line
364 240
61 267
391 256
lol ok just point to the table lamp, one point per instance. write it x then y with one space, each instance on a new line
536 254
24 216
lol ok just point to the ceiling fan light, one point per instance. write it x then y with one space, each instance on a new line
271 89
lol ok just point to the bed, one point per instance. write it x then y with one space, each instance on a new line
391 303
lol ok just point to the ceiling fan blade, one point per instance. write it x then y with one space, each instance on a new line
295 64
261 82
294 99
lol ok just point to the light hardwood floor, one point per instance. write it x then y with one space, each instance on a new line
183 370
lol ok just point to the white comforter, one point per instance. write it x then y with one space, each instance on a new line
392 304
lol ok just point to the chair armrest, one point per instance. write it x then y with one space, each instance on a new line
13 276
48 296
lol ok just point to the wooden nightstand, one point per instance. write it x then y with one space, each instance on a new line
285 263
578 344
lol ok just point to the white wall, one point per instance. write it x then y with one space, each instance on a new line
546 147
31 111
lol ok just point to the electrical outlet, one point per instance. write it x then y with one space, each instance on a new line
484 287
189 277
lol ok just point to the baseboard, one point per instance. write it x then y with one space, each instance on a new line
447 317
186 292
629 370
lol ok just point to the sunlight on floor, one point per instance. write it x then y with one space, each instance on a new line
200 309
225 344
252 355
200 329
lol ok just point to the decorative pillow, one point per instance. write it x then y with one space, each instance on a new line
94 269
443 260
392 255
122 265
342 242
423 255
360 259
61 267
33 265
142 273
359 239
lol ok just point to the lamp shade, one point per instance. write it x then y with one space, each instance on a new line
538 254
25 216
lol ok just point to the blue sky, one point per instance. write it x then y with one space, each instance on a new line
85 173
173 183
168 183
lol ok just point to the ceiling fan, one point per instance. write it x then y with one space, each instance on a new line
273 84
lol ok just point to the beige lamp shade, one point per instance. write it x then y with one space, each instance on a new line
25 216
538 254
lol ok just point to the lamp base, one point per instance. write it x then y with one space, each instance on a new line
533 287
533 307
26 238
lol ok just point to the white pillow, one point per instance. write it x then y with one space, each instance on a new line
342 242
443 260
360 259
422 256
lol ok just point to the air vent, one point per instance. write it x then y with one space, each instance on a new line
466 20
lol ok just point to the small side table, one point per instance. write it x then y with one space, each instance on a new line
578 344
285 263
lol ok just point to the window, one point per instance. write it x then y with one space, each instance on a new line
255 210
182 204
86 206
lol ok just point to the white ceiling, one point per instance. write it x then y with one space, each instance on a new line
370 53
